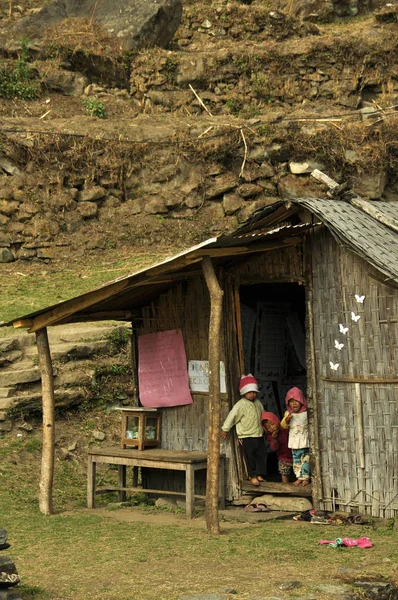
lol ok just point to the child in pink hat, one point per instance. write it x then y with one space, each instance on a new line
296 421
278 440
246 417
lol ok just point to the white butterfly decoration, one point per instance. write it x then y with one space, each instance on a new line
343 329
334 366
359 299
337 345
355 317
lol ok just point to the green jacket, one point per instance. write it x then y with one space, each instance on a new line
246 416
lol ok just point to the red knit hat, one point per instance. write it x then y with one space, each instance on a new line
248 383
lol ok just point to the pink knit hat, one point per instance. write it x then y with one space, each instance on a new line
248 383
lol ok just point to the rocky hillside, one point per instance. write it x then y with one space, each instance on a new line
106 149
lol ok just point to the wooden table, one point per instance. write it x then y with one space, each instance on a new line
152 458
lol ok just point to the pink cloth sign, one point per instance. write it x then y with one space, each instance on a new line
162 369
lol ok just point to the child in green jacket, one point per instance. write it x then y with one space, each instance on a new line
246 417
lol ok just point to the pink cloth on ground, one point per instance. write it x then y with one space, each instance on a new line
363 542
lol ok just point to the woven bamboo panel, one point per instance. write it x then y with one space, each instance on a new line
358 423
282 264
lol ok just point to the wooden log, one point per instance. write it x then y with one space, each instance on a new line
213 453
359 426
389 380
47 457
22 323
68 308
364 205
323 178
369 208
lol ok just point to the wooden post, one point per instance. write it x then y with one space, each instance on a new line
312 390
359 426
47 457
213 448
134 361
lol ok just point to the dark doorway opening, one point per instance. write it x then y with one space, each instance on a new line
273 345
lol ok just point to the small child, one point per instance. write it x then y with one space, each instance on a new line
245 415
296 420
278 440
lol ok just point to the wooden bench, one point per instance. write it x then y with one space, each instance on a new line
153 458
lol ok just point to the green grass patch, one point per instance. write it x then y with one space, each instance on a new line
94 108
28 288
16 78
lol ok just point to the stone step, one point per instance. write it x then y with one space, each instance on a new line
33 402
20 340
276 487
6 392
9 357
6 403
73 350
16 376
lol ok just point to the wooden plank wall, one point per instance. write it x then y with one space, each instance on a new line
358 422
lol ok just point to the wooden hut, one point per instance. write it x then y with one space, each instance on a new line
310 298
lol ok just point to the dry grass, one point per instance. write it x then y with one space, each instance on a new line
142 553
82 35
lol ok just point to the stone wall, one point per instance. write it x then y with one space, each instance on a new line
211 178
345 71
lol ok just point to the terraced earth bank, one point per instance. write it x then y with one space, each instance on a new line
107 150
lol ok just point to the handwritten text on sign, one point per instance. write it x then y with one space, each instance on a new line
162 369
198 371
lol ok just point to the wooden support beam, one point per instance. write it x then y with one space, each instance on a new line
252 248
22 323
367 380
312 390
213 451
76 304
47 457
106 315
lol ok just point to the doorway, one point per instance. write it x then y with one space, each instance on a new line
272 345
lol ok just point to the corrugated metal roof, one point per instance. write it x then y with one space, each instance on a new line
360 232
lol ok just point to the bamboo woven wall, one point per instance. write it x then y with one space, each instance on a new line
186 307
359 465
283 264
